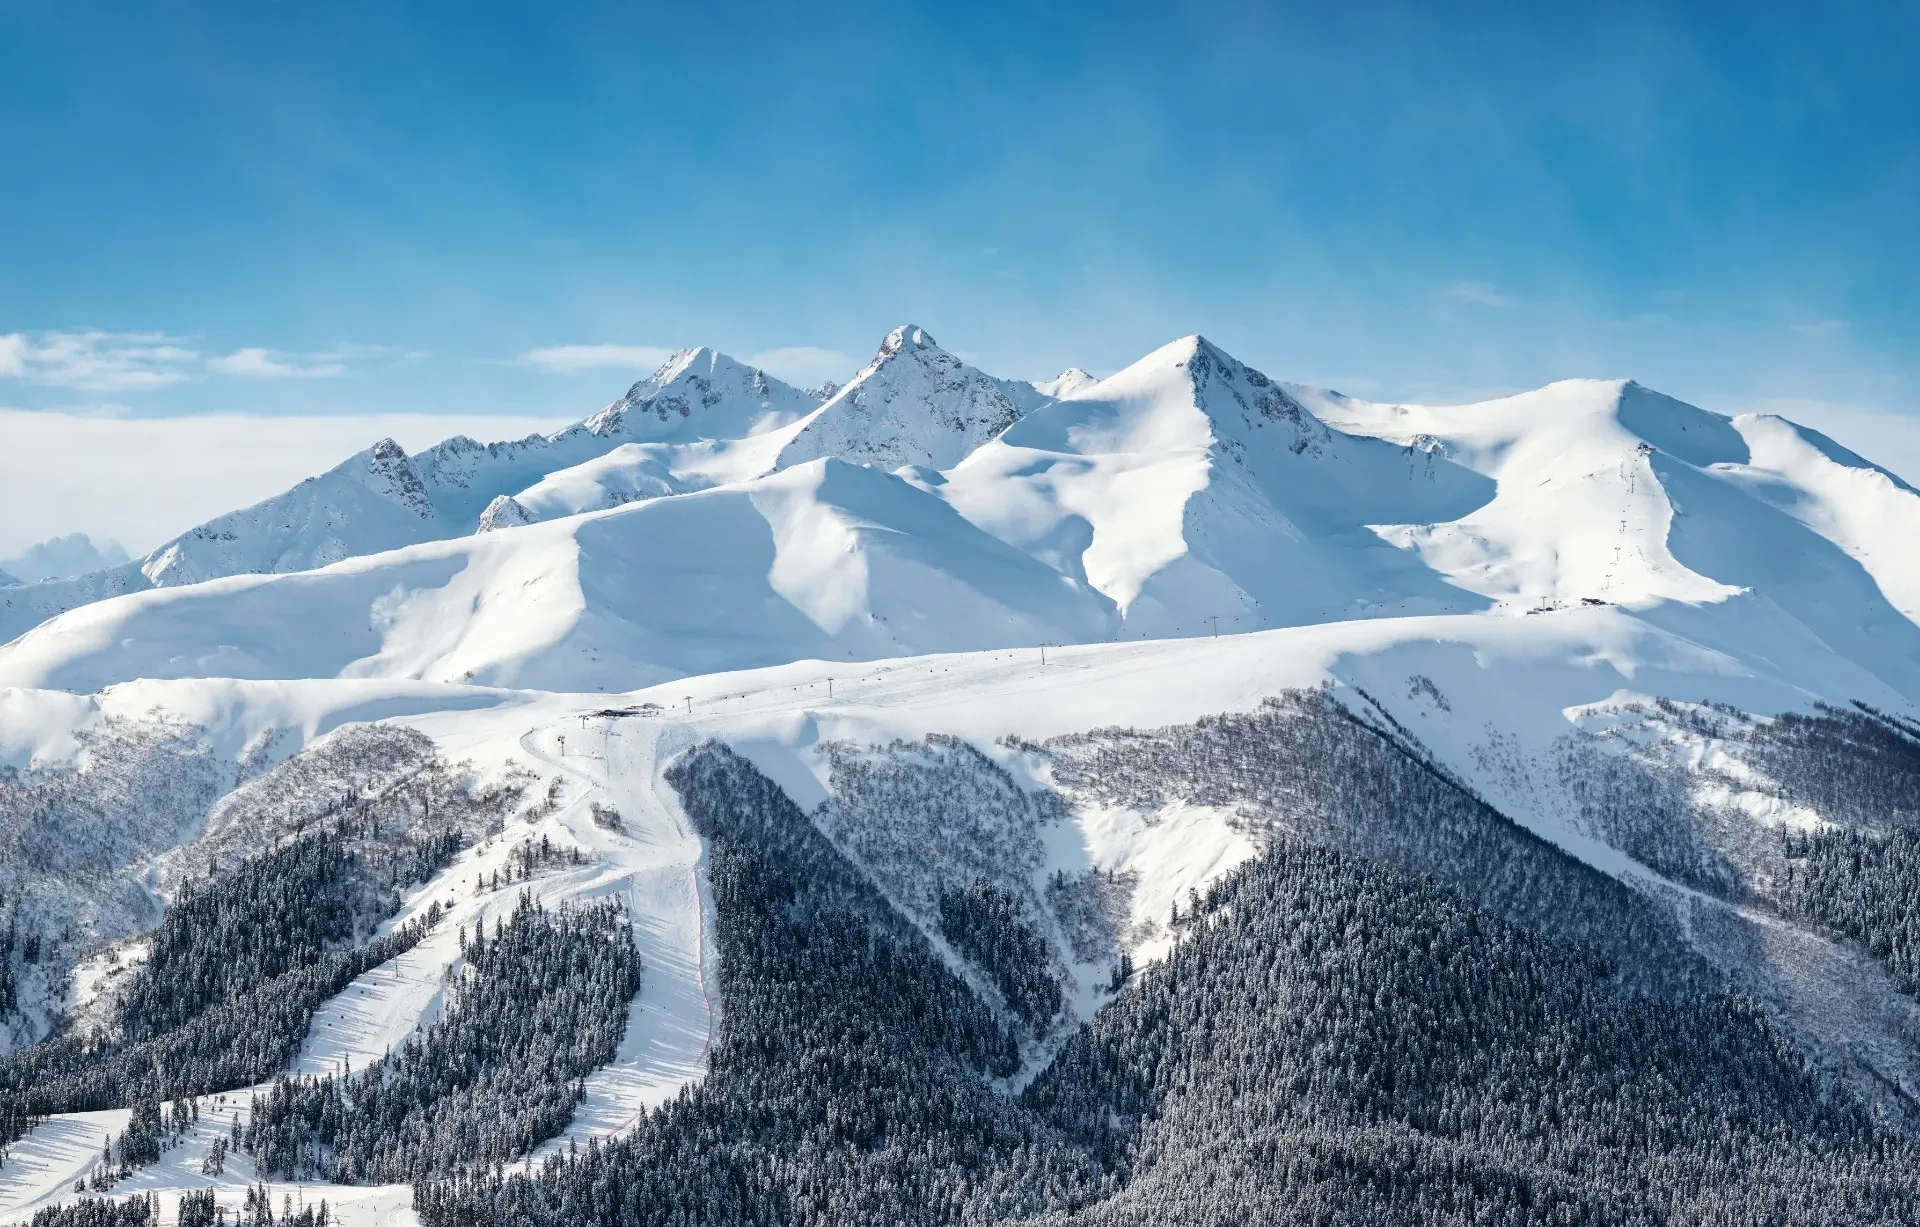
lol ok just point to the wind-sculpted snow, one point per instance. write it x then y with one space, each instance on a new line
1579 511
636 471
1751 533
1199 495
382 499
827 560
27 605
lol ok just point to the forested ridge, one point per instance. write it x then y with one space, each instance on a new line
1405 1008
540 1006
279 911
1303 763
1338 1038
198 1209
235 971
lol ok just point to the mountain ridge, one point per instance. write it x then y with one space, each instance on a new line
946 804
381 498
1189 493
913 404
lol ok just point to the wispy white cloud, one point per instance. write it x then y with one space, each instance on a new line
569 359
13 356
258 363
1479 293
91 359
97 361
805 366
1821 328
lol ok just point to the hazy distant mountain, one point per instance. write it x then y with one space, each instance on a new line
62 558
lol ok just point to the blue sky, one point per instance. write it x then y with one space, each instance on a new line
371 208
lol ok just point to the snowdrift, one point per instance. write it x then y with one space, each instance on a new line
826 560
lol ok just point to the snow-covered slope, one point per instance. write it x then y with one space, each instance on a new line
915 403
381 498
1190 487
1489 696
374 500
1567 603
1188 494
1579 511
825 560
635 471
1751 533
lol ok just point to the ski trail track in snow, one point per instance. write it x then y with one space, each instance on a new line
670 1025
653 865
1536 669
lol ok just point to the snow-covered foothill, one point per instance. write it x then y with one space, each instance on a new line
1488 696
1752 534
828 560
382 498
1198 495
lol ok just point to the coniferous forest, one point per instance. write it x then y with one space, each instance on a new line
238 966
541 1004
1337 1039
1405 1008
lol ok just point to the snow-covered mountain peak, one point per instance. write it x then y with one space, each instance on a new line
1244 402
375 497
1190 487
1187 394
1065 384
1570 419
389 472
1569 416
701 393
1187 490
915 403
1756 427
504 511
908 336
